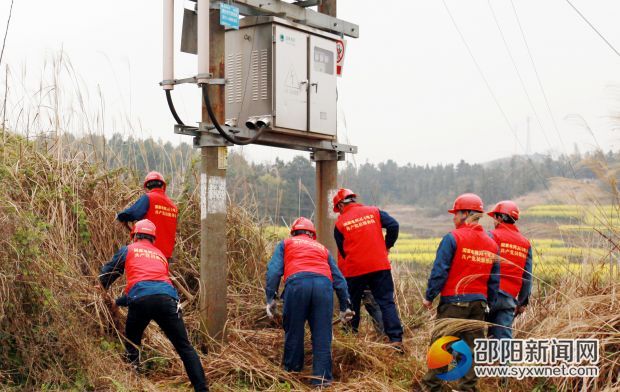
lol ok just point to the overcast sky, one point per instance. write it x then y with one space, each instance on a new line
410 90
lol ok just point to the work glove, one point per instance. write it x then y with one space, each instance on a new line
270 308
346 316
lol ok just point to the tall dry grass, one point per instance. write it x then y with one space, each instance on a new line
58 331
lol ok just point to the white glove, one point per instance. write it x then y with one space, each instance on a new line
270 308
346 316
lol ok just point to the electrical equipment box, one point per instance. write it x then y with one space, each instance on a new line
281 73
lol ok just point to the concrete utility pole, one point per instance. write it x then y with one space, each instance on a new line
326 176
213 249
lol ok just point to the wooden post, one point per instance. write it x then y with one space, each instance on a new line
326 177
213 249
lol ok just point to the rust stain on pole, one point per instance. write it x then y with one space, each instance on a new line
326 185
328 7
213 244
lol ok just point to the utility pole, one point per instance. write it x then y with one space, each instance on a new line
326 175
213 249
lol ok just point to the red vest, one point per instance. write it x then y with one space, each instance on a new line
303 254
163 213
472 262
513 249
145 262
364 244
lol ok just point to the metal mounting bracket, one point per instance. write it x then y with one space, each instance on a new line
194 80
307 3
320 147
323 155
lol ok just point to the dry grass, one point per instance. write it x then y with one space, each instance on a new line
57 330
58 333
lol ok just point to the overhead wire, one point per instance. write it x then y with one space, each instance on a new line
594 28
496 101
521 81
544 94
491 92
540 85
539 82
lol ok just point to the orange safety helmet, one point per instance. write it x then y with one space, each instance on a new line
507 207
144 226
467 202
303 224
342 194
154 176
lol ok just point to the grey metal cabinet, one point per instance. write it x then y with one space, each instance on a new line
282 71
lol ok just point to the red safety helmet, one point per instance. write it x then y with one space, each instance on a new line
342 194
303 224
507 207
467 202
154 176
144 226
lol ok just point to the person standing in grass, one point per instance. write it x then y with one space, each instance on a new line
155 206
149 294
465 273
310 277
515 284
359 236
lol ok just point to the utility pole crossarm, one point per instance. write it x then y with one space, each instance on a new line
303 15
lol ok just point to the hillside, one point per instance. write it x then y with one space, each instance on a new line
436 221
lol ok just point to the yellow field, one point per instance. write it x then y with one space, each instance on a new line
601 215
552 257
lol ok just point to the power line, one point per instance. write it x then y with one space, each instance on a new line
521 81
540 85
488 85
593 28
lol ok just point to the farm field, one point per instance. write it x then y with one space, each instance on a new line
575 219
568 252
552 257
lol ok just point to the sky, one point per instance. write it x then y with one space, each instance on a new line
410 91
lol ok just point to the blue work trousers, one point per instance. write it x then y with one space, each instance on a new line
502 320
501 316
309 298
381 285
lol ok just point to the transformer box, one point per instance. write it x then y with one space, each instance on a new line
282 74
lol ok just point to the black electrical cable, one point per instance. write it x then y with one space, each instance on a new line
172 109
221 131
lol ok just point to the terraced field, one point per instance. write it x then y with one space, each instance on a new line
575 219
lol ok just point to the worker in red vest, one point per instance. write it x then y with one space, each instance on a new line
515 271
150 296
465 273
310 277
359 236
155 206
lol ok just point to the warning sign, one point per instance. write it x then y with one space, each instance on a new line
341 46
